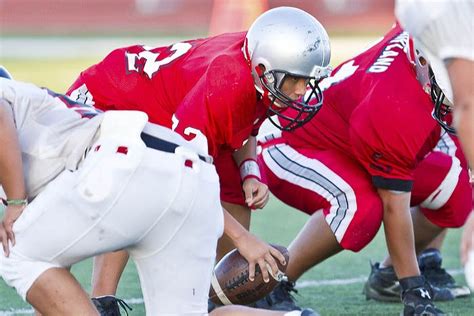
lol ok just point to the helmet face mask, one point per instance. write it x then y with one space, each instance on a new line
427 78
288 42
442 106
280 102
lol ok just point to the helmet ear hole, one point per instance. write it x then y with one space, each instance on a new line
260 70
422 60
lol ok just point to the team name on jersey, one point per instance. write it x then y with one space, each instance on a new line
390 51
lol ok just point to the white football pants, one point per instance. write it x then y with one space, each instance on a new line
126 196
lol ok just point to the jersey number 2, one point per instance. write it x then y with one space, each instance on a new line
151 64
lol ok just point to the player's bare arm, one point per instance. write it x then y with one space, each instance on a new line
460 73
467 242
399 232
251 248
256 192
11 176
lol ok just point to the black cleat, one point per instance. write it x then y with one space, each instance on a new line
430 262
109 305
383 286
414 307
417 298
281 298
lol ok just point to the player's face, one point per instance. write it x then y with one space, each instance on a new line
294 87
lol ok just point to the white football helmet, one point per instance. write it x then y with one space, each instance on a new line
288 41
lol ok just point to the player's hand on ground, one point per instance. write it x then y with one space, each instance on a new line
7 237
256 193
467 242
258 252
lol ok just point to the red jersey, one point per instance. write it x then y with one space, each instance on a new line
376 111
198 88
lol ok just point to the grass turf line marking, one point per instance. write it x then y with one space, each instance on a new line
300 285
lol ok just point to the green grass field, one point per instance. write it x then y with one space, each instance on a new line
332 288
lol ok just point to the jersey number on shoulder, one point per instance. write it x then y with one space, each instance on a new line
149 63
344 72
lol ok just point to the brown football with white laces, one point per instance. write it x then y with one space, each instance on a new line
230 282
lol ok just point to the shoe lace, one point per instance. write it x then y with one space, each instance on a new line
124 305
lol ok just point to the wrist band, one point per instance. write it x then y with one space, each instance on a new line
249 169
15 202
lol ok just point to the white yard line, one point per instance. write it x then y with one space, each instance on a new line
361 279
300 285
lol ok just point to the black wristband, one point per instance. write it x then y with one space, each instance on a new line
412 282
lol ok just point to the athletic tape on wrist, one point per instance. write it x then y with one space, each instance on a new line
18 202
249 169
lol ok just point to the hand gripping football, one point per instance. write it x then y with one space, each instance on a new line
230 282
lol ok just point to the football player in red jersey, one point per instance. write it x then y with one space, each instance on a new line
216 92
72 174
373 150
433 26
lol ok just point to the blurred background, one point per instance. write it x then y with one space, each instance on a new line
32 28
177 17
48 42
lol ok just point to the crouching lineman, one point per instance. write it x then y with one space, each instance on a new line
373 150
102 182
215 91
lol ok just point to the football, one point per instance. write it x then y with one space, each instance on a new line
230 281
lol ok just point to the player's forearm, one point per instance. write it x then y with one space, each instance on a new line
462 81
464 123
467 241
11 169
248 151
399 233
232 228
